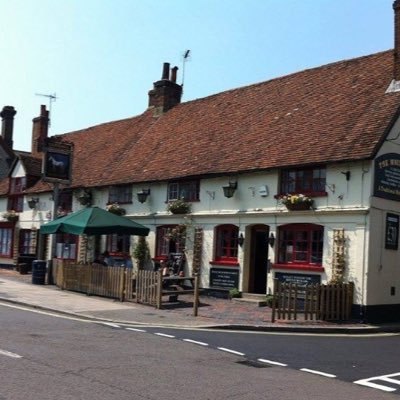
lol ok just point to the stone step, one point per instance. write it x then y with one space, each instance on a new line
259 302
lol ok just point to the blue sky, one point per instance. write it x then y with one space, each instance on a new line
101 57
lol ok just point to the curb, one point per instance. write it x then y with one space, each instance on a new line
239 327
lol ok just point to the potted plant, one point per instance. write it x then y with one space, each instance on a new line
234 293
115 208
297 202
11 216
179 206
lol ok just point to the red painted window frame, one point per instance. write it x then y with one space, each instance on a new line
10 227
315 185
226 251
307 263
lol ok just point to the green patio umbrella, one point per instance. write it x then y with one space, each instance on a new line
94 221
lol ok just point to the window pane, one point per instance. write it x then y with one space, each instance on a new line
226 243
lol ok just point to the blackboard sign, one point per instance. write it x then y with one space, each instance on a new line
392 232
299 279
387 177
224 278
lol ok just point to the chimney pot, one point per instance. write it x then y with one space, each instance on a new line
165 73
173 74
40 131
7 127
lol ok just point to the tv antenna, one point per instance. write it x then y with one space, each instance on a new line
185 58
52 98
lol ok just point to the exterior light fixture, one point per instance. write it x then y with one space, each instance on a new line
230 190
241 240
271 240
142 195
32 202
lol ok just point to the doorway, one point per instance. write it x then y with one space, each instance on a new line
258 259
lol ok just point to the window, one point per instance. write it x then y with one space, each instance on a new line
300 244
6 242
226 244
120 194
186 190
117 244
16 197
27 242
307 180
169 240
65 200
66 246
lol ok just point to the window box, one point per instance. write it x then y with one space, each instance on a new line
179 207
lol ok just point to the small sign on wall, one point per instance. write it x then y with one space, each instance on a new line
392 232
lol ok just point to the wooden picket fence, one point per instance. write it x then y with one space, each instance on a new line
331 302
120 283
95 279
150 290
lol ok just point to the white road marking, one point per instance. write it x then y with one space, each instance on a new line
272 362
135 330
195 342
231 351
111 324
164 335
385 378
311 371
9 354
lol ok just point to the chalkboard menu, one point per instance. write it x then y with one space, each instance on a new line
387 177
299 279
224 278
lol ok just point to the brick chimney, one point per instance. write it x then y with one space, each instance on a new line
7 124
40 131
166 93
396 53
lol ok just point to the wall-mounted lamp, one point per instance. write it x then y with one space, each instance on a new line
347 175
230 190
32 202
142 195
241 240
271 240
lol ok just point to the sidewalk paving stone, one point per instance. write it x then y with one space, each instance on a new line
212 312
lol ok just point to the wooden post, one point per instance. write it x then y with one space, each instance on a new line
274 300
159 289
122 280
89 290
196 295
137 288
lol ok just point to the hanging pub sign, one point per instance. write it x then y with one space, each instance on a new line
57 161
387 177
392 232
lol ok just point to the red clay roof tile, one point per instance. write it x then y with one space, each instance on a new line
333 113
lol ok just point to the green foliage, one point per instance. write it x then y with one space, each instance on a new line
234 293
141 252
179 206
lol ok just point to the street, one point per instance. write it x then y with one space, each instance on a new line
57 357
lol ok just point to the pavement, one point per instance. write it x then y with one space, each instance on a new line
212 313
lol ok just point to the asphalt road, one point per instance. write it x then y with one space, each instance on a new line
48 357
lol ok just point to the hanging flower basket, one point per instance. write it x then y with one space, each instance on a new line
85 197
115 208
11 216
179 207
297 202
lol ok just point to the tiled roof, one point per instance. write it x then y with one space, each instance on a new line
33 165
337 112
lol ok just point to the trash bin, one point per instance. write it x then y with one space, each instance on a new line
39 272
